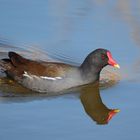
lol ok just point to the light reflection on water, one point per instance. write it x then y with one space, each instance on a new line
69 30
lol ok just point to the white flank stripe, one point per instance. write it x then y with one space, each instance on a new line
43 77
26 74
50 78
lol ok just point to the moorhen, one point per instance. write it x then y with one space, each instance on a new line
43 76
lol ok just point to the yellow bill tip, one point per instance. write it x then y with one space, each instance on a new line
117 110
117 66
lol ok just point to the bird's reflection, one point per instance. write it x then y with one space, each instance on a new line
93 105
89 96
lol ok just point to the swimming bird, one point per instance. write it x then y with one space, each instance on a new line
47 76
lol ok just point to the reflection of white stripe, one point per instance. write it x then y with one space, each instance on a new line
43 77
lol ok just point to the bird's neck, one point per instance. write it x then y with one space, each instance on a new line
90 71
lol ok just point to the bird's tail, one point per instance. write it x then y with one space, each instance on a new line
5 64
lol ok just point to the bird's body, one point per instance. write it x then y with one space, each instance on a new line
52 76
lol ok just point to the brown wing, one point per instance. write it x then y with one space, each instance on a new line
16 59
17 65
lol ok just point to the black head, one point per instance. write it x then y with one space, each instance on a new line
98 59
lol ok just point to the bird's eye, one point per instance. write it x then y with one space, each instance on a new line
102 56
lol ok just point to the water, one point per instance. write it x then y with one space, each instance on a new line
67 31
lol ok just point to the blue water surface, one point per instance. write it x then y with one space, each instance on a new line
70 30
